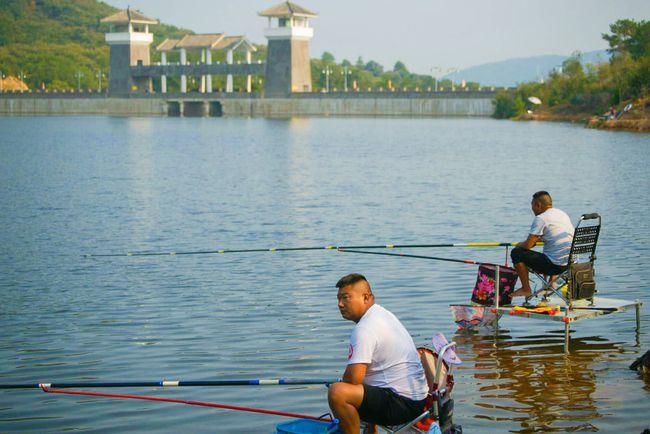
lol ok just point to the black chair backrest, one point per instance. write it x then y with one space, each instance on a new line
581 275
585 238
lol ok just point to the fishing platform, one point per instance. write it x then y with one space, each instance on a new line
579 311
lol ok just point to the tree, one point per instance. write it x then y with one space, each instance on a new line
399 66
629 36
327 57
507 105
374 68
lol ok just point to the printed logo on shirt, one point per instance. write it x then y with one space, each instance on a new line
350 352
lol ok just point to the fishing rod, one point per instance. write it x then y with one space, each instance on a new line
169 383
296 249
325 418
405 255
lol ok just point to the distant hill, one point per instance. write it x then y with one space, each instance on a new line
513 71
50 41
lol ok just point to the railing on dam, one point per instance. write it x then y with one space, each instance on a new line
219 94
199 69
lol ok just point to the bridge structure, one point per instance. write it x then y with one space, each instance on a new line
215 74
286 70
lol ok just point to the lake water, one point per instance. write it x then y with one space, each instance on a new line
77 185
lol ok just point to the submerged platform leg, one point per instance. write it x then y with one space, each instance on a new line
566 337
637 308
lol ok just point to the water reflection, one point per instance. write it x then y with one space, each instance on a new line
531 381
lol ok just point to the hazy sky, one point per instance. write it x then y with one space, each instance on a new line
421 33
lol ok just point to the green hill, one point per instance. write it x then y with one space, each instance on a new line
51 41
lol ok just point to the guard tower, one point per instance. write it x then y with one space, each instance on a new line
129 39
287 61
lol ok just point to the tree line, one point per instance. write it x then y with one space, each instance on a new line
594 88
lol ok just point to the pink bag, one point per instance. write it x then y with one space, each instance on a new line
483 292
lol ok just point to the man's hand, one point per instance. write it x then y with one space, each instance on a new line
355 373
529 243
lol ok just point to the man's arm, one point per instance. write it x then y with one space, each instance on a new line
354 373
529 243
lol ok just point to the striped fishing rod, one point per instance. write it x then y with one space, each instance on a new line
172 383
297 249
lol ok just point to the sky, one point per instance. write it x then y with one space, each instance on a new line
424 34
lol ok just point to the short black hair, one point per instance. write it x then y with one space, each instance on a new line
543 197
350 279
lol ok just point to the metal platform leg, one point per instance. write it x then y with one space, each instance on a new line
566 337
637 308
497 281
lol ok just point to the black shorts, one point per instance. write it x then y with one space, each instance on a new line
385 407
536 261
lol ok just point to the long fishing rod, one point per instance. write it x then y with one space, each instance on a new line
296 249
405 255
323 418
168 383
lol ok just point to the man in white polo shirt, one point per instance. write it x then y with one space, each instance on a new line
384 382
551 226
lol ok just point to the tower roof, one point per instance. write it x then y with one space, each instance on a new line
287 9
129 15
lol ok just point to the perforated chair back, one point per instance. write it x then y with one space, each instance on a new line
581 280
585 238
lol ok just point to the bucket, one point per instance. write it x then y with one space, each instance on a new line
307 426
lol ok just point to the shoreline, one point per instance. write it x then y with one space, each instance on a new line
636 120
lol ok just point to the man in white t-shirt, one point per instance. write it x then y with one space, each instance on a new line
384 382
554 228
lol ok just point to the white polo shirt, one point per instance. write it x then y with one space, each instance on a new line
555 229
380 340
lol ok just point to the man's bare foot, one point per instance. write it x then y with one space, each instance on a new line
522 292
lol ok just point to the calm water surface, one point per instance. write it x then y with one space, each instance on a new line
71 186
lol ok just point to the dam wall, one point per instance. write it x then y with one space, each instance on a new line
477 104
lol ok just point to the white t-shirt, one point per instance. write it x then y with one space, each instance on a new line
556 231
381 341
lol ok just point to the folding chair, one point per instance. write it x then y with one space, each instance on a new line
578 278
439 406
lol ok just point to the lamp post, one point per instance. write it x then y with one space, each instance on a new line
453 72
99 76
22 76
345 73
79 75
1 78
327 71
435 79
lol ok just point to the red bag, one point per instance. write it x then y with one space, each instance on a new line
483 292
